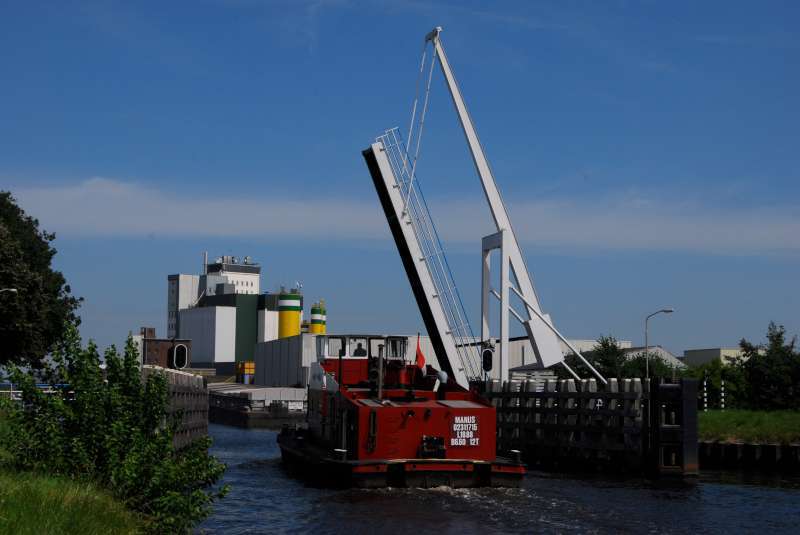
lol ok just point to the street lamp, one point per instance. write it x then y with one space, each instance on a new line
646 345
9 290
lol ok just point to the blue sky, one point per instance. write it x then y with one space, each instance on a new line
648 152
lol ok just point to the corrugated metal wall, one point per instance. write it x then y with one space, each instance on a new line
284 362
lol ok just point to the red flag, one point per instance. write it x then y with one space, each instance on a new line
420 356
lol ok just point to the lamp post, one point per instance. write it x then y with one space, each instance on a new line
9 290
646 345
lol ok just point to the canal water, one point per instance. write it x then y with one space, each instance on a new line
265 499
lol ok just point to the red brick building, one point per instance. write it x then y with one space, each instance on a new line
165 352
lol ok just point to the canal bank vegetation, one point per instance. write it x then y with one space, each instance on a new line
766 377
34 504
761 393
108 429
751 427
96 440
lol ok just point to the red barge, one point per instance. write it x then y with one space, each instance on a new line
374 420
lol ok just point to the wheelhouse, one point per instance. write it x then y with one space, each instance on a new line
361 346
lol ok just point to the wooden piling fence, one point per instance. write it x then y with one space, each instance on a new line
579 424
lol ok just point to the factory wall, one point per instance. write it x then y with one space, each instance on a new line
285 361
696 357
244 283
208 283
212 331
182 292
267 325
246 326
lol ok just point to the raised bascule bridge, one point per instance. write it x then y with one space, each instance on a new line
374 419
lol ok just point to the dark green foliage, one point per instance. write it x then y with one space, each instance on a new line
608 357
714 373
765 377
771 372
113 431
637 367
32 320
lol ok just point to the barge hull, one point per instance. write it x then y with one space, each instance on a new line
314 464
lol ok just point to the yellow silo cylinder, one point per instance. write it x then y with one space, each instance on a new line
318 318
290 305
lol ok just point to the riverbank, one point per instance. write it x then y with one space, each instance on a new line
34 504
741 426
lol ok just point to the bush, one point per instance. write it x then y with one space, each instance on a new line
112 430
714 373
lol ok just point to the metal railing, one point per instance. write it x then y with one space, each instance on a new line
416 209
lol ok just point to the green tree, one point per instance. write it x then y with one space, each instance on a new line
772 371
31 320
608 357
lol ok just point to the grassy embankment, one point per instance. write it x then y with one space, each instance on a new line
34 504
773 427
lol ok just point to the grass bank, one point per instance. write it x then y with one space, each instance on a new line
34 504
774 427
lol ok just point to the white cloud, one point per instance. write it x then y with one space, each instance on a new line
107 207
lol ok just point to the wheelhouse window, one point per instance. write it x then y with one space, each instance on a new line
336 347
396 347
358 347
375 345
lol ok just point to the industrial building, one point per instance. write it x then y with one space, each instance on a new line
225 328
223 312
226 275
173 353
182 293
698 357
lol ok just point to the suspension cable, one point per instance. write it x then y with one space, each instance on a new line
416 99
421 122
